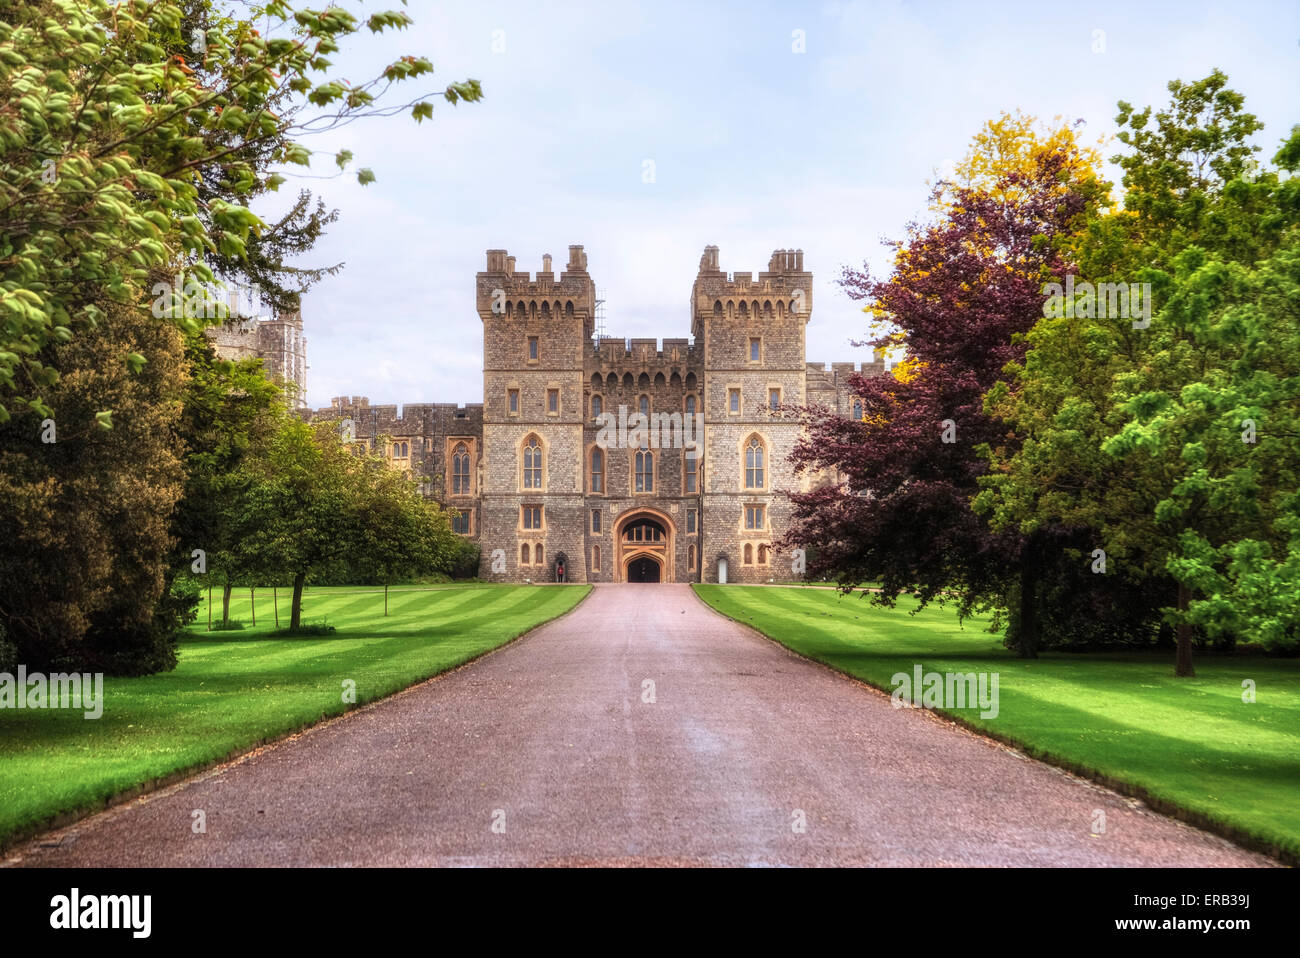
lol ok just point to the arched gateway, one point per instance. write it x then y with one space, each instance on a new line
645 547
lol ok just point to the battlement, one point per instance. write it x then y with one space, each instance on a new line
405 419
820 376
501 291
786 261
783 290
833 370
614 349
501 263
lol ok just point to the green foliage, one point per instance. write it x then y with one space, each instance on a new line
84 574
309 503
465 560
137 135
1134 438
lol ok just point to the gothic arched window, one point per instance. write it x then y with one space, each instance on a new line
460 470
754 463
533 463
645 470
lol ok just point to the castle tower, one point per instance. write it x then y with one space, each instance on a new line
752 332
535 331
284 349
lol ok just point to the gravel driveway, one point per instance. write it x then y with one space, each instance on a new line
556 750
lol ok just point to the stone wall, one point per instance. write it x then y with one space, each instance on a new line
748 337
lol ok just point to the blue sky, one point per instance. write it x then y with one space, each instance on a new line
755 147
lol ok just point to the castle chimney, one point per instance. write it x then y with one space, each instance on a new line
546 262
232 303
510 265
798 260
496 260
577 259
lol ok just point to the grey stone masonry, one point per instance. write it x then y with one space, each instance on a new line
558 473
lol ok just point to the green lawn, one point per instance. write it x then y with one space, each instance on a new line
1188 746
233 690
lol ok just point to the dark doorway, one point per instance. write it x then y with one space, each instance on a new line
644 569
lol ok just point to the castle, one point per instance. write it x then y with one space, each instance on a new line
531 471
277 341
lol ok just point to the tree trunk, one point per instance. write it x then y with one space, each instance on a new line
1183 664
209 608
385 599
275 606
225 605
252 602
1027 640
295 617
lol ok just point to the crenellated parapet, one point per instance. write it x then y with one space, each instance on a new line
504 293
783 290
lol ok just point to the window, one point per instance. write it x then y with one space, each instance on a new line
645 470
755 349
595 520
531 517
690 521
733 400
532 349
762 553
537 554
773 398
754 518
597 406
460 470
460 523
749 553
690 559
692 464
533 464
597 469
690 405
400 450
552 400
754 464
645 405
514 401
857 409
595 558
523 555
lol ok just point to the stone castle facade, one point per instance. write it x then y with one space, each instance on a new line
278 341
537 483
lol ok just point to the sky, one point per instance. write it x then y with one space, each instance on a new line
768 126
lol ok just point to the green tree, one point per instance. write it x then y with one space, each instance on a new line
84 572
311 503
230 411
405 535
1125 424
111 138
